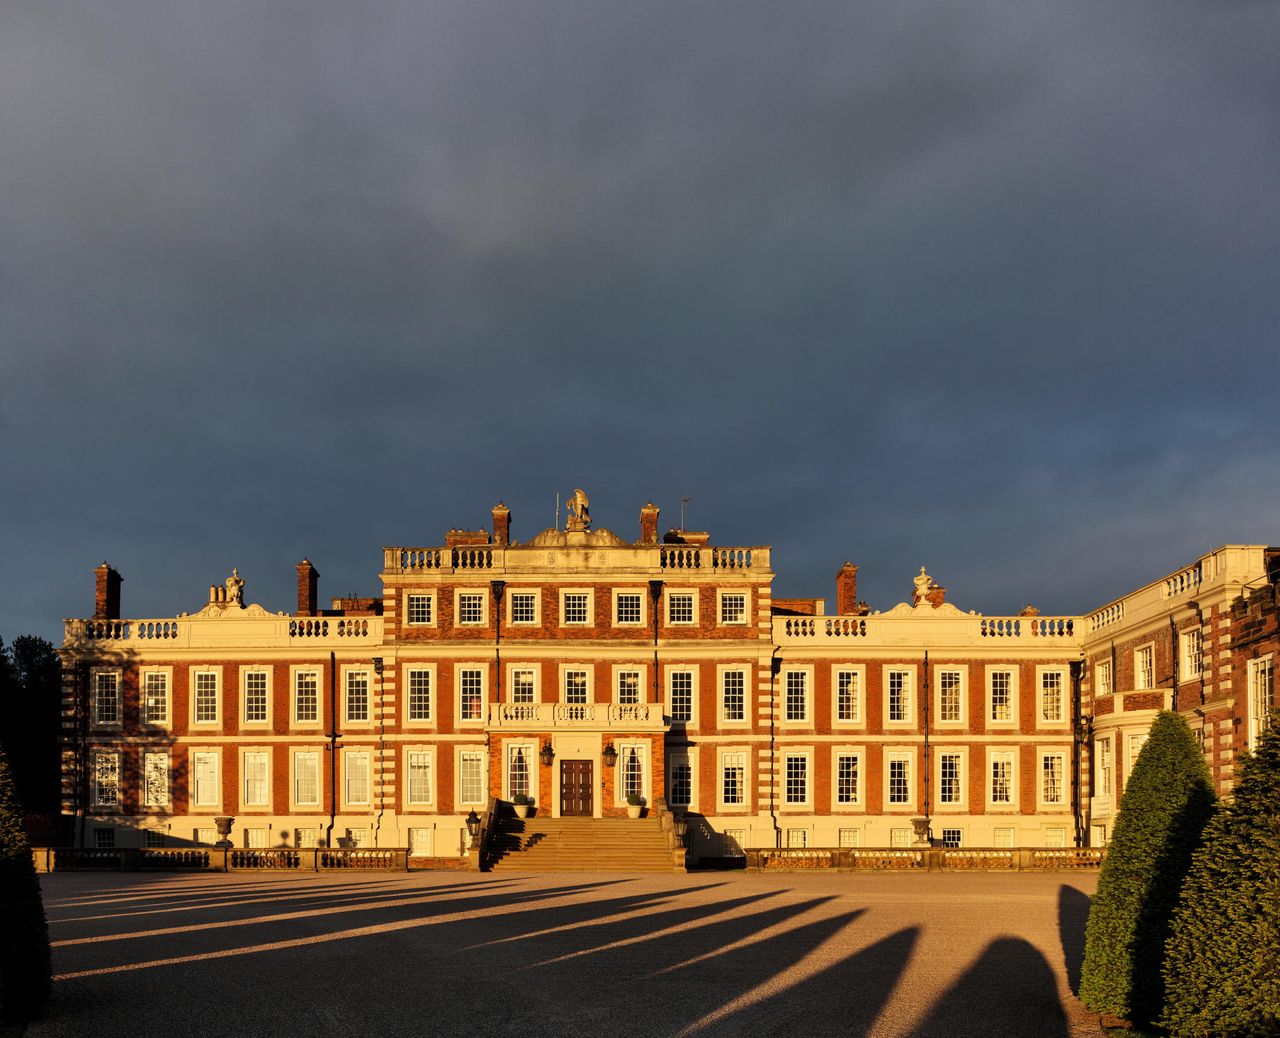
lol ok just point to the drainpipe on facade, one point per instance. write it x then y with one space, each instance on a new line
333 735
1173 652
924 711
382 743
82 749
1079 733
775 666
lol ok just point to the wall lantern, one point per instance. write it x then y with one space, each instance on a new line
473 825
610 756
681 822
546 755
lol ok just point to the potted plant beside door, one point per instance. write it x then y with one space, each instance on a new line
635 804
521 803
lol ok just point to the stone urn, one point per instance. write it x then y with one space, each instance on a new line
521 808
223 823
921 826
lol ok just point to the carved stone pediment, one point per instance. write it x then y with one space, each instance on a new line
226 609
925 610
601 538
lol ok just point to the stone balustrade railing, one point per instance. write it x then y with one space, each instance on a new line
930 859
1061 631
521 558
213 631
547 716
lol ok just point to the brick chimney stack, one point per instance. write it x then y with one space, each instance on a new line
308 589
847 590
107 599
649 524
501 524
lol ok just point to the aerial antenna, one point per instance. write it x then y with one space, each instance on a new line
683 501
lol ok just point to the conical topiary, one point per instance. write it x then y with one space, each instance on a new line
1167 801
1222 962
24 935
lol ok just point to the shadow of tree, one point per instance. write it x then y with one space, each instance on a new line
1073 914
1008 993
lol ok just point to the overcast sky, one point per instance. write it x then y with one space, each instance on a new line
988 287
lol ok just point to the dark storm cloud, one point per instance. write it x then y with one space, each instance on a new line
986 286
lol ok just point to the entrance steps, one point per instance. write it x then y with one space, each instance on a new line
582 844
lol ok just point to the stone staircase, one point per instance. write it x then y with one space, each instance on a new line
581 844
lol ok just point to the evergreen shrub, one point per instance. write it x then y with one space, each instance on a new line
1222 963
24 936
1166 804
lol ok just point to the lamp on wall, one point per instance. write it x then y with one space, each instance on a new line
473 825
610 756
546 755
681 822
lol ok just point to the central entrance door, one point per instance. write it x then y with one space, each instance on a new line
575 787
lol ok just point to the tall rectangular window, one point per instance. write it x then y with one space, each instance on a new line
733 695
797 701
419 777
1002 778
949 684
206 697
796 775
577 608
418 610
306 696
518 770
1051 696
681 695
419 682
899 695
155 779
575 686
848 696
357 695
733 779
733 608
524 607
106 779
255 697
680 608
106 698
628 608
1051 774
899 780
470 608
471 689
155 697
1102 673
471 784
1136 742
628 687
949 788
633 776
1144 670
522 686
356 770
256 778
1192 653
1262 697
1001 695
306 778
847 789
205 767
1104 767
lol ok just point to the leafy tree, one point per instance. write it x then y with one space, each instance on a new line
24 936
1167 801
1222 964
30 697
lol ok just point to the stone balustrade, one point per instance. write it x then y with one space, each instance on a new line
215 632
509 559
598 716
1060 631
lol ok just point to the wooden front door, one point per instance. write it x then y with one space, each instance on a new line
575 788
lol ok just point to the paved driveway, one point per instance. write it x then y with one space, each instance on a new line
568 954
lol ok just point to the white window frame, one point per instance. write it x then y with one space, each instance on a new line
1191 649
150 758
244 696
891 755
1143 682
672 592
407 671
118 677
371 694
530 748
722 756
483 594
194 674
463 753
214 804
745 595
458 670
722 670
264 753
562 691
1260 685
859 803
963 690
1133 743
430 597
912 687
784 688
1012 720
1064 778
349 757
1106 766
1104 678
524 668
294 673
788 805
144 713
586 593
524 592
671 670
627 668
1009 757
642 748
1064 696
952 841
640 593
859 673
317 756
99 802
961 805
409 803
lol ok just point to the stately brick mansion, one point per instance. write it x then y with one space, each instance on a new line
578 669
